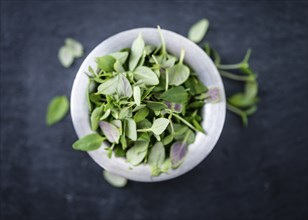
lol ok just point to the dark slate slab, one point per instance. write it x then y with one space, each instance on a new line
254 173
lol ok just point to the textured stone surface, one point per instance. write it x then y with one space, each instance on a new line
254 173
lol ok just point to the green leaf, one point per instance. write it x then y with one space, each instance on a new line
168 139
108 87
137 95
125 113
75 47
106 114
57 109
91 88
136 154
142 59
66 56
180 131
124 89
198 30
176 95
198 126
120 56
251 90
105 63
114 180
169 63
141 114
110 131
95 117
118 67
119 152
240 100
159 126
156 106
92 72
146 75
144 137
178 74
119 84
131 129
195 105
136 52
144 124
190 137
157 155
195 86
96 99
89 142
118 124
149 49
155 171
166 166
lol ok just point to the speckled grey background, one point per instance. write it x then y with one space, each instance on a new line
254 173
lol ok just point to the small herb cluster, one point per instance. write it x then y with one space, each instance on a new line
243 103
71 50
146 103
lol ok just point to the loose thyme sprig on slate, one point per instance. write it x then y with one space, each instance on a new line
244 103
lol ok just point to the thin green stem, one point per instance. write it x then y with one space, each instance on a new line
163 44
155 60
236 77
167 79
234 109
186 136
143 130
243 64
232 66
239 112
182 56
184 121
171 124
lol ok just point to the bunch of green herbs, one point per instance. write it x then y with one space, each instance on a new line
146 103
141 104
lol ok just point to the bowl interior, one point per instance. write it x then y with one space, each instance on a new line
213 114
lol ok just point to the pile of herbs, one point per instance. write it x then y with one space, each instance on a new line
146 103
125 114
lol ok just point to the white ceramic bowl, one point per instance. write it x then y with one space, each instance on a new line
213 114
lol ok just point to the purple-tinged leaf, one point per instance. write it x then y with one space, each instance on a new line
110 131
124 89
177 153
176 107
213 95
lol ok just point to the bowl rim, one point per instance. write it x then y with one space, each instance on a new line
164 176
